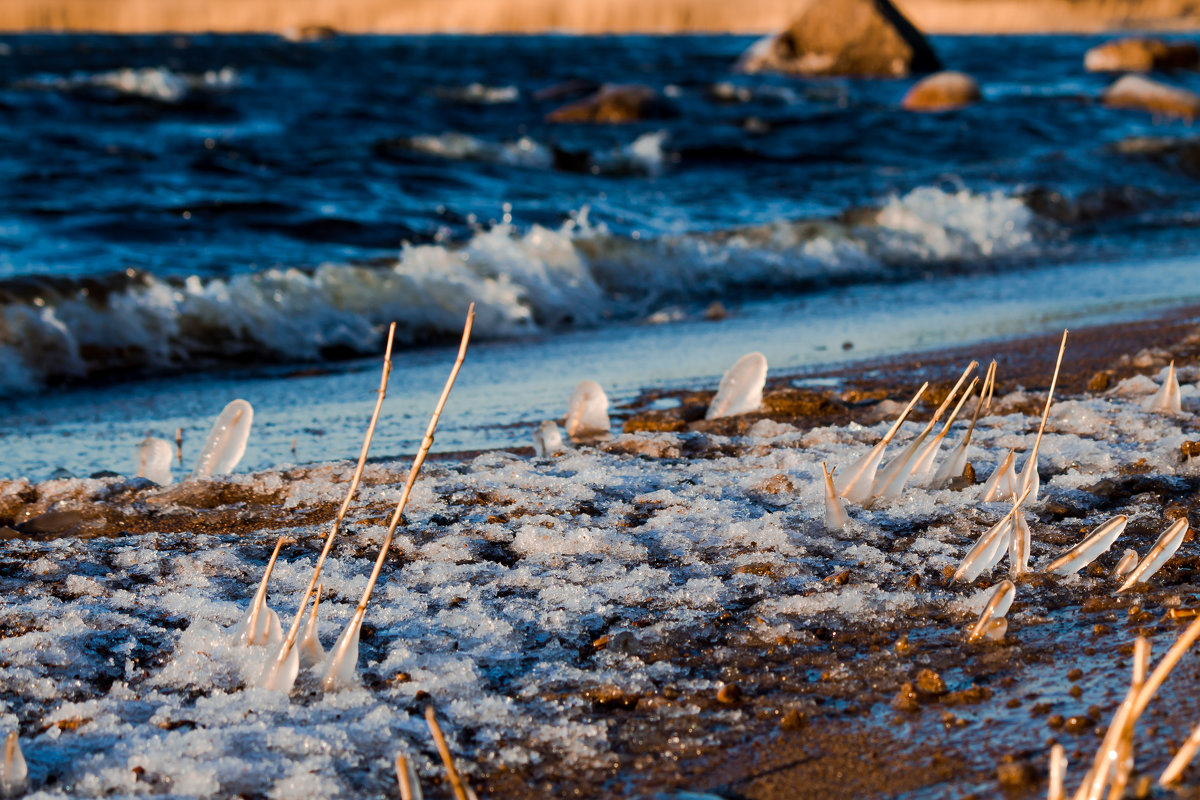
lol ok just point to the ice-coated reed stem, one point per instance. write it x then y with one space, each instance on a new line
274 670
406 776
1029 478
340 663
857 482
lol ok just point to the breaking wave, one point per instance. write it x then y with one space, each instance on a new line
523 282
158 84
645 155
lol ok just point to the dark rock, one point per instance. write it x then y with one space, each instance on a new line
845 37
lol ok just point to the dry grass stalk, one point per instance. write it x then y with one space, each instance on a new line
1114 758
1182 759
1029 478
406 776
271 678
1159 554
343 657
461 790
1058 772
179 445
858 481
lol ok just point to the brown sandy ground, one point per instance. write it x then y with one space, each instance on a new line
870 709
538 16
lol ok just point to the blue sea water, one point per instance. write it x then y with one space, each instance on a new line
188 219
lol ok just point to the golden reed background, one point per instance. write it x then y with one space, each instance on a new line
577 16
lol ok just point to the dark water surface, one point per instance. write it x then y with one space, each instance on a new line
178 206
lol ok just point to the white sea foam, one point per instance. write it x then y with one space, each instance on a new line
522 282
153 83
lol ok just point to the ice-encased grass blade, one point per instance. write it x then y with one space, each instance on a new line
956 464
1018 546
341 668
261 625
1168 399
311 652
925 463
226 443
547 440
857 482
154 460
1002 482
1092 547
1159 554
13 770
994 611
835 512
741 388
1129 560
587 412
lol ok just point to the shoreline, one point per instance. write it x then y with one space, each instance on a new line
320 17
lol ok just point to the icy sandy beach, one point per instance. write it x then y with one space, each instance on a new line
568 615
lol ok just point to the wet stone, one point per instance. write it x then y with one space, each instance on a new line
929 682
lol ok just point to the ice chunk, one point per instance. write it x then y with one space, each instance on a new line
1167 400
226 442
991 624
1159 554
741 388
154 460
1091 548
547 440
587 413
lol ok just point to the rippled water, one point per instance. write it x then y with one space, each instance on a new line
178 206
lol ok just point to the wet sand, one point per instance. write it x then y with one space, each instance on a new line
315 17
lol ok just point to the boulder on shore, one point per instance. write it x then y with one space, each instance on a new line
612 103
1141 54
942 91
1134 91
869 38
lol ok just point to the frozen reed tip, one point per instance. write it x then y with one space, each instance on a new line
547 440
1168 399
926 461
991 624
461 790
280 674
741 388
154 460
1003 481
587 413
1180 762
1029 480
857 483
1058 772
835 512
1125 566
1168 542
13 772
261 625
1092 547
890 482
406 776
311 652
342 664
226 443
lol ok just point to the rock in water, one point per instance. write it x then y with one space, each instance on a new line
845 37
587 414
612 103
942 91
154 460
1134 91
741 389
226 442
1140 54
